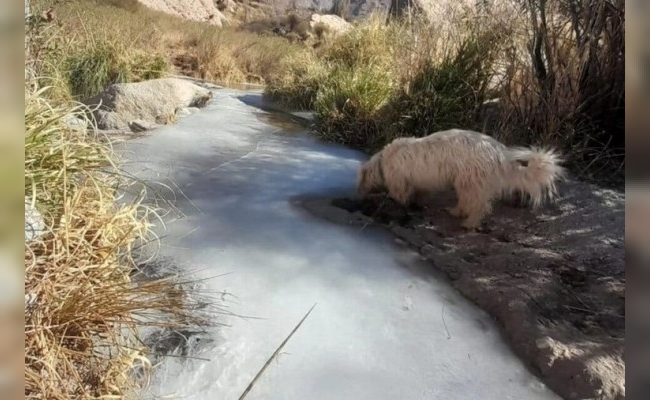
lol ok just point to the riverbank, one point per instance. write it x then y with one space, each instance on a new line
554 280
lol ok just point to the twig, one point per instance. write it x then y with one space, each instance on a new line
371 217
444 322
274 355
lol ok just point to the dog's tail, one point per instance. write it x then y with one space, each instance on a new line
534 172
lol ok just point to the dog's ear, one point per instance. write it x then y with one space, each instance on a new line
523 163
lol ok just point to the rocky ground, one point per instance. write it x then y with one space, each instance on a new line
554 278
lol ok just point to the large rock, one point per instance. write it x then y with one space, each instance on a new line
196 10
333 23
148 103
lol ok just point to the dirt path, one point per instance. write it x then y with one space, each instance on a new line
554 279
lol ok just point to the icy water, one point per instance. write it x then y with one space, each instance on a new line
385 325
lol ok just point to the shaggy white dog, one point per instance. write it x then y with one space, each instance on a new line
477 166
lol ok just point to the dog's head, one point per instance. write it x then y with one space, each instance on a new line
369 178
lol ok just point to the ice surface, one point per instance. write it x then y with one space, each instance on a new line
385 325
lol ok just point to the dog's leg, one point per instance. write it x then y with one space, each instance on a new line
400 191
460 210
478 206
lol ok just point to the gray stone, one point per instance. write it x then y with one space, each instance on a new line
153 102
75 123
138 125
333 23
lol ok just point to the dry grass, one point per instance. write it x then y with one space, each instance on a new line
82 324
105 42
570 90
86 306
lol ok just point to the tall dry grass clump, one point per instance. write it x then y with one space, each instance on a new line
229 56
84 311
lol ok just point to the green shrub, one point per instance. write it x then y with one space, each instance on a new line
297 88
351 103
89 72
150 67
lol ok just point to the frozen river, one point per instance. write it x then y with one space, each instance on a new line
385 326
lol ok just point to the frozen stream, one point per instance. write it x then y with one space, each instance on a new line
385 327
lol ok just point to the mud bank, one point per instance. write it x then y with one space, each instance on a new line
554 278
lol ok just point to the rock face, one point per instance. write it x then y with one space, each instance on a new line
440 11
357 9
333 23
217 11
142 105
202 10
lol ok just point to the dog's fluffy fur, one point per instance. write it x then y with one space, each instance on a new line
477 166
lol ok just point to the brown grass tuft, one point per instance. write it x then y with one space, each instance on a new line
82 322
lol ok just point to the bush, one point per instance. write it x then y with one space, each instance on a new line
298 86
350 105
359 98
570 90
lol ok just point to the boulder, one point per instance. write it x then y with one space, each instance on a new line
138 125
333 23
75 123
209 11
134 106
